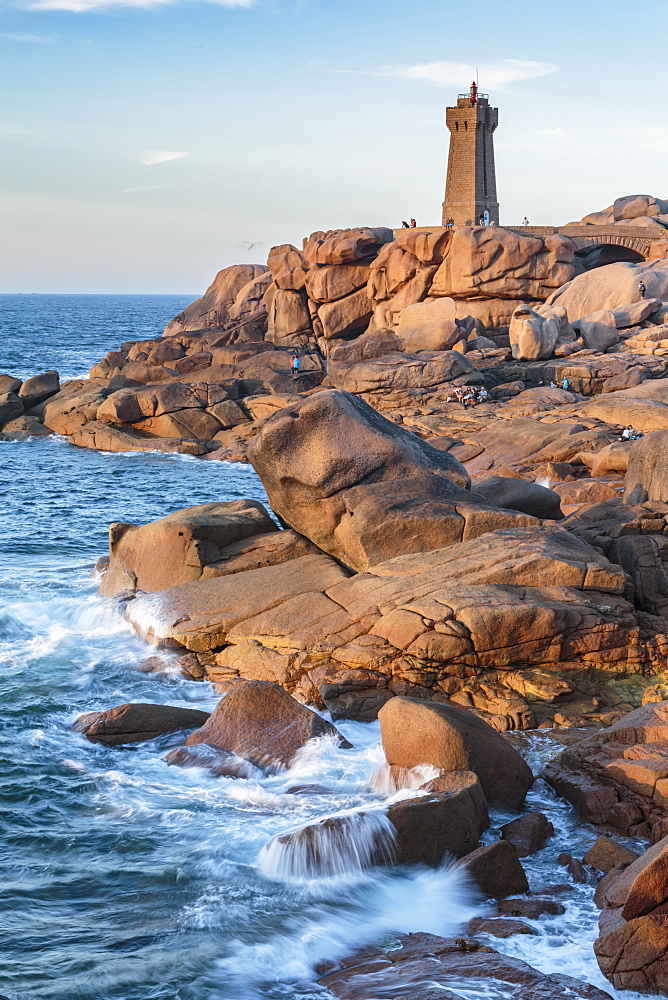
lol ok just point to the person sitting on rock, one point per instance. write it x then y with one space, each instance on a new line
294 364
404 224
630 434
413 224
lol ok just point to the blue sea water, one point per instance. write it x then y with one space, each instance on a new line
122 878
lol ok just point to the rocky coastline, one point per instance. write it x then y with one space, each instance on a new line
460 541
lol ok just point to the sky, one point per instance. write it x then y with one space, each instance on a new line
145 144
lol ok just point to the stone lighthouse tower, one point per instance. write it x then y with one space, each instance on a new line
470 188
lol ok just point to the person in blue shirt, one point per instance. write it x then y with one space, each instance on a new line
294 364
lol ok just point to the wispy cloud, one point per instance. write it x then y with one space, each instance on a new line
150 157
11 37
492 75
83 6
13 130
146 187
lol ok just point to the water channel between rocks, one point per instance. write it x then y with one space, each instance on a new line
125 879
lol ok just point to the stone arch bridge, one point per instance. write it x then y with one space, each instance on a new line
635 239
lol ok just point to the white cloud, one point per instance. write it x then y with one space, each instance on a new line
491 76
554 134
82 6
11 37
146 187
150 157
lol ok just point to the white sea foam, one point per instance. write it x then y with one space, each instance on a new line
336 846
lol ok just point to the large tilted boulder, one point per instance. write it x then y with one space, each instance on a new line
213 308
135 723
632 948
306 466
179 547
619 776
374 491
611 287
262 723
647 472
452 739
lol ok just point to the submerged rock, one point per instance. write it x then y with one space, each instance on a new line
262 723
527 833
135 723
427 967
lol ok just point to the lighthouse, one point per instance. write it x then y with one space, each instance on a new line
470 187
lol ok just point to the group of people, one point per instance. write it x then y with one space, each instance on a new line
630 434
468 395
408 225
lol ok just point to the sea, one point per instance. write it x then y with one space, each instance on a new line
121 877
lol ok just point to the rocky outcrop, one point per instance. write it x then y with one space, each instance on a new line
199 615
215 307
260 722
632 948
186 545
619 776
489 271
452 624
451 739
319 293
136 723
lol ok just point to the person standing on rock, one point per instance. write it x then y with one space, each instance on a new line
641 288
413 224
294 365
525 221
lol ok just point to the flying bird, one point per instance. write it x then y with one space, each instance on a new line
249 246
